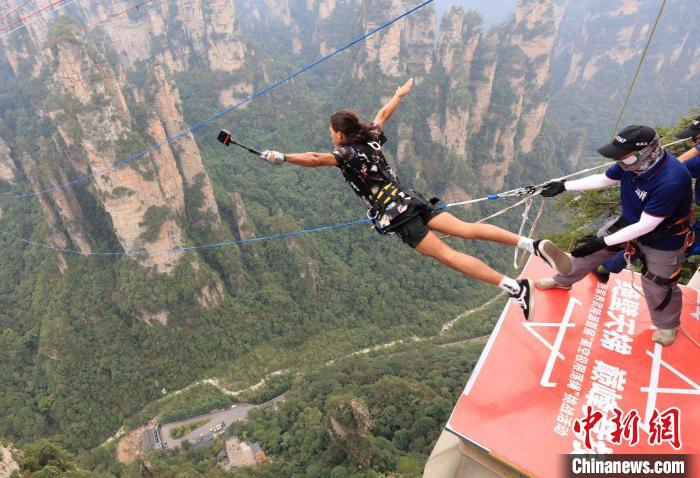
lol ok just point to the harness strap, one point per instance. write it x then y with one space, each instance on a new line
669 282
390 191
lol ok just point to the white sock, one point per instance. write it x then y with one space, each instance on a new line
509 285
526 244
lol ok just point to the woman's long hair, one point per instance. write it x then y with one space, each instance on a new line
349 124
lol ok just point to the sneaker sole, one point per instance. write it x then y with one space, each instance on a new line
664 343
560 260
560 287
531 302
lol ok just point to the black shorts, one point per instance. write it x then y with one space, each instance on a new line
412 225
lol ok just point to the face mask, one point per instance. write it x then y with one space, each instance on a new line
644 159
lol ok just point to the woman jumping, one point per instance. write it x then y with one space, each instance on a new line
406 213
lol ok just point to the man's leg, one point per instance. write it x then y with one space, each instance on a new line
582 266
663 264
616 264
613 265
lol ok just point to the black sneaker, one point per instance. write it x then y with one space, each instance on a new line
602 274
525 298
557 259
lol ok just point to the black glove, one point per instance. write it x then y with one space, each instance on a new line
588 245
553 188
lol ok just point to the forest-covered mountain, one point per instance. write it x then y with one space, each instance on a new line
88 341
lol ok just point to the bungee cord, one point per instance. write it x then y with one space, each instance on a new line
178 136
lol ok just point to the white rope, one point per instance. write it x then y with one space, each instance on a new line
505 209
525 216
689 337
25 25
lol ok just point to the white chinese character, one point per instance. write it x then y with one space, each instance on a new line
616 342
598 447
581 359
570 399
625 289
574 385
629 307
609 375
564 420
602 397
566 409
619 323
580 449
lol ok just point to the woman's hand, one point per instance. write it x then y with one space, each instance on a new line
402 91
274 157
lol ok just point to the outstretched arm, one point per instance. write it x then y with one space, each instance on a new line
595 181
311 160
388 109
306 160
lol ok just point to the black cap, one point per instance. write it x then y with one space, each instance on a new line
632 138
691 131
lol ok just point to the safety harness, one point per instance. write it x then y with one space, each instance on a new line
679 228
369 169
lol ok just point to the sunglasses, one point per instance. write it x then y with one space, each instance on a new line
636 155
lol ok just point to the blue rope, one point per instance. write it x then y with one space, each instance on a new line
214 245
183 133
282 235
188 248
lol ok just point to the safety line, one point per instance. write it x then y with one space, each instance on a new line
110 17
24 25
15 9
7 27
624 104
639 67
208 120
187 248
529 191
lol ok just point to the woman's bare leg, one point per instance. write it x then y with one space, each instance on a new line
436 248
446 223
520 291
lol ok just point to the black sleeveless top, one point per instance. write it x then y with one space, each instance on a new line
364 166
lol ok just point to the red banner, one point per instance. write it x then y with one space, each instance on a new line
583 377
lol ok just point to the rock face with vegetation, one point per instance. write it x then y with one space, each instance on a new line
8 461
99 337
